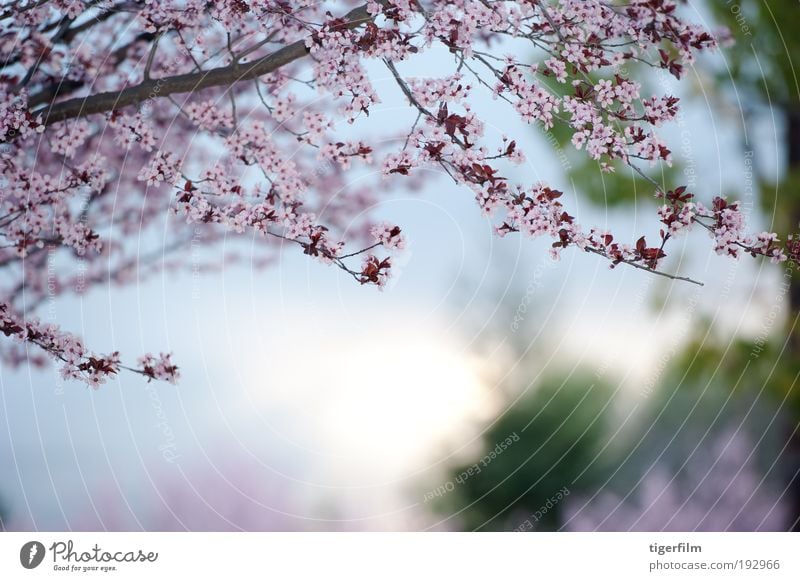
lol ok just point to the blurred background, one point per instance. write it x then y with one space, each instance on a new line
488 388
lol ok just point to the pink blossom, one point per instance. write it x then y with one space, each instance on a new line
389 236
234 116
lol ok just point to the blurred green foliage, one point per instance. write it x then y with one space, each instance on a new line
710 385
3 516
760 76
760 366
561 427
766 52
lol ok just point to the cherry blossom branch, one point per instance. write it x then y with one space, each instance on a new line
645 268
279 157
188 83
77 362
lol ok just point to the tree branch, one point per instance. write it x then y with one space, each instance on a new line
187 83
64 87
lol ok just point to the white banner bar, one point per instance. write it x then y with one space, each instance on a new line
399 556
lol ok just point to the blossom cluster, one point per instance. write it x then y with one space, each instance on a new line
69 351
234 116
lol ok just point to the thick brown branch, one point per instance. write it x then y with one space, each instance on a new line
64 87
188 83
